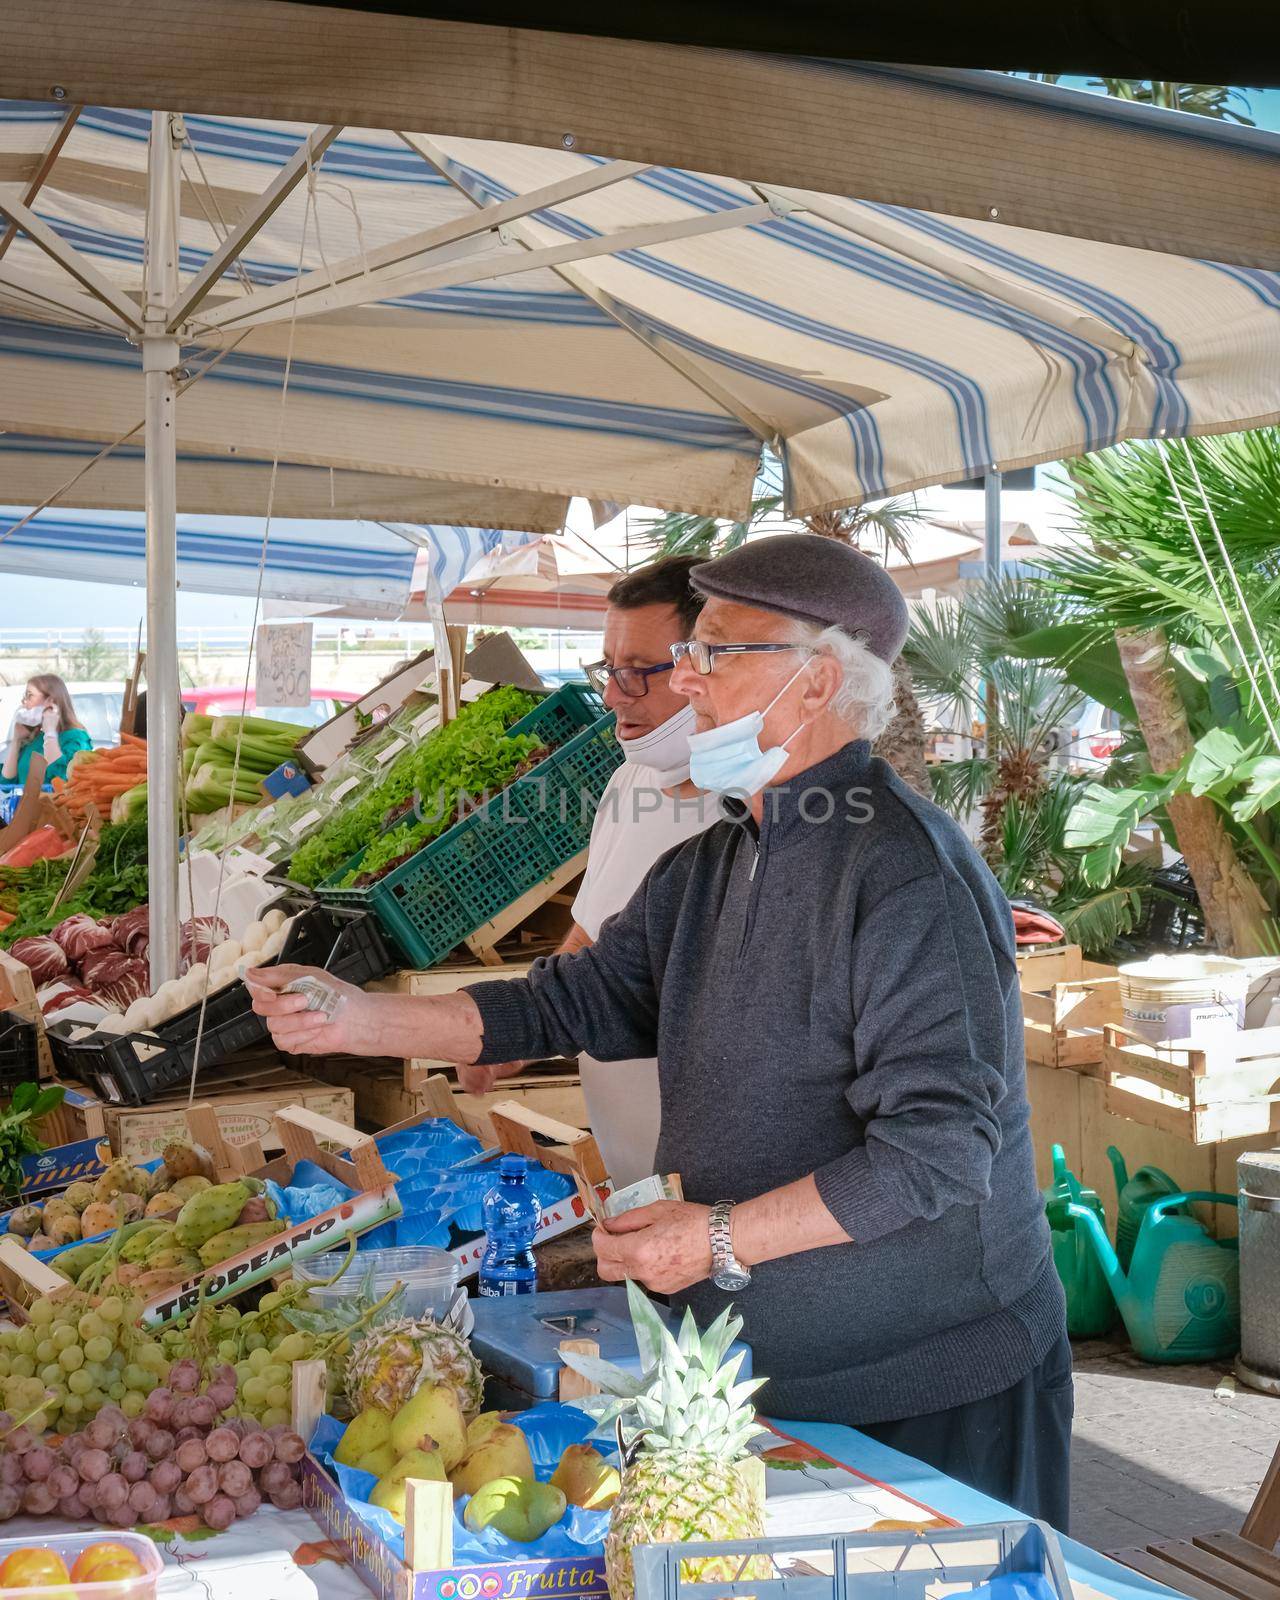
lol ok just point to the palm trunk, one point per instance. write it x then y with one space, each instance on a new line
902 744
1235 912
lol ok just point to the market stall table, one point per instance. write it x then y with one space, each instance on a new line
283 1555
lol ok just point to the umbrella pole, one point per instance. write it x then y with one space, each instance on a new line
160 357
991 544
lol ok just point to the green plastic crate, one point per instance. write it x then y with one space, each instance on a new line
458 882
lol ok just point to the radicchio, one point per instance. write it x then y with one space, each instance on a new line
80 934
45 958
54 997
132 933
115 978
199 936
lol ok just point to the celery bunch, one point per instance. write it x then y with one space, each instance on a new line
209 744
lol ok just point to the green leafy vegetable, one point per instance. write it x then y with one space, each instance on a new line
28 1105
118 882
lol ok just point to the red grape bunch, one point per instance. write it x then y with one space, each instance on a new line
174 1459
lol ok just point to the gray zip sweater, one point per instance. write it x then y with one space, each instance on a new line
836 994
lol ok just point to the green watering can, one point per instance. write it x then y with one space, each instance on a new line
1180 1298
1134 1196
1091 1310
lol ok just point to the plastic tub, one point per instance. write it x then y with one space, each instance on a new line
1164 995
430 1277
69 1546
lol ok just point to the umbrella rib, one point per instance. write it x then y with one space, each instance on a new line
372 268
43 168
51 294
79 266
581 283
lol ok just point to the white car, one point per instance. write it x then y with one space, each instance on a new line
98 706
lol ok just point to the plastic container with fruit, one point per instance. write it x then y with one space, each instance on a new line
98 1566
429 1276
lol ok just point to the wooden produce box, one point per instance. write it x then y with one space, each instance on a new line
18 994
1204 1093
1066 1003
245 1092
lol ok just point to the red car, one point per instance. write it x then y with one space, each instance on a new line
226 701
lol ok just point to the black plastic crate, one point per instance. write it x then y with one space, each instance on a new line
347 943
1172 919
19 1052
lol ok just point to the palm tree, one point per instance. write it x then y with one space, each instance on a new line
875 530
1193 624
1201 99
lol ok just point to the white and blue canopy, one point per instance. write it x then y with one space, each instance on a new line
482 320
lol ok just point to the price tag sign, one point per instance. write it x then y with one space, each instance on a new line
284 665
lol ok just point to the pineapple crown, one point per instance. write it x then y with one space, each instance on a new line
687 1397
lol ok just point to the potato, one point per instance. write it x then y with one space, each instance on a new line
274 944
167 1000
253 936
273 920
224 955
113 1023
138 1016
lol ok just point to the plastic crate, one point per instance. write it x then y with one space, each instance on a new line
346 942
862 1566
19 1051
454 885
1172 919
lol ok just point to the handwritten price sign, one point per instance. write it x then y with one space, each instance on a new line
284 664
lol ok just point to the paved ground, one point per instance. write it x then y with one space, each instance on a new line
1163 1452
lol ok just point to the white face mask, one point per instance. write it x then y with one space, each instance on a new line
665 750
31 716
729 760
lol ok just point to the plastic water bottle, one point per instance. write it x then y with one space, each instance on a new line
512 1213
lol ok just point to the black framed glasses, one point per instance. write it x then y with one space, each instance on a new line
632 681
702 655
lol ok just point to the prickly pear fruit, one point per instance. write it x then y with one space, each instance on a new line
79 1195
121 1177
71 1263
64 1229
210 1212
152 1281
132 1206
184 1188
184 1159
233 1240
173 1258
39 1241
140 1246
25 1221
154 1182
256 1209
101 1217
164 1205
58 1207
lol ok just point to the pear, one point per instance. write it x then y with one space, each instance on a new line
379 1461
361 1435
504 1454
390 1492
521 1508
431 1420
479 1430
586 1478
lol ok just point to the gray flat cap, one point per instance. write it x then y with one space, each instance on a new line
812 579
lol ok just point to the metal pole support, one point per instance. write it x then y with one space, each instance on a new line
991 542
160 357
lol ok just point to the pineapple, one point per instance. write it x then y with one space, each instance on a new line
394 1359
682 1475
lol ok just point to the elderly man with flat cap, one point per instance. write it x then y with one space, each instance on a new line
827 980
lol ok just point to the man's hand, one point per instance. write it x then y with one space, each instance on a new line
477 1079
665 1246
297 1031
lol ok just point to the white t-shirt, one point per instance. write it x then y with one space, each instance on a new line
635 824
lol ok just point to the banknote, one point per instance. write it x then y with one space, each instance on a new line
643 1193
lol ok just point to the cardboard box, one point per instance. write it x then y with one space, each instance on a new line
245 1098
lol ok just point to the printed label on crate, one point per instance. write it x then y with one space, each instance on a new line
64 1164
387 1575
564 1215
143 1131
317 1234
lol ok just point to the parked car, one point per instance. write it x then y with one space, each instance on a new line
226 701
98 705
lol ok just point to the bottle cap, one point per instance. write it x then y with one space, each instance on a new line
513 1166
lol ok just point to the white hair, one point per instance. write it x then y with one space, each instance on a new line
864 699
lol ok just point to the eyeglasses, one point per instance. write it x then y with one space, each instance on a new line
632 681
702 655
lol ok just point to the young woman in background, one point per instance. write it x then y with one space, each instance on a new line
46 721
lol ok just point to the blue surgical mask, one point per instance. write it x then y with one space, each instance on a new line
729 760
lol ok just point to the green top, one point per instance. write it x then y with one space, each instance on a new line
71 741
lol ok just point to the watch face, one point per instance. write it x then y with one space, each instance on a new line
732 1279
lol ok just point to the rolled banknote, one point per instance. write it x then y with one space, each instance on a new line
644 1193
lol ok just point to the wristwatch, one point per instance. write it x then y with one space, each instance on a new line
727 1272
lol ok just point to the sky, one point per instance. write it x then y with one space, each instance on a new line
58 603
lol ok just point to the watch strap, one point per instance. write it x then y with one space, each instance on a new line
722 1256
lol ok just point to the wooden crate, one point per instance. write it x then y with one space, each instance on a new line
1204 1093
18 994
1066 1002
245 1093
